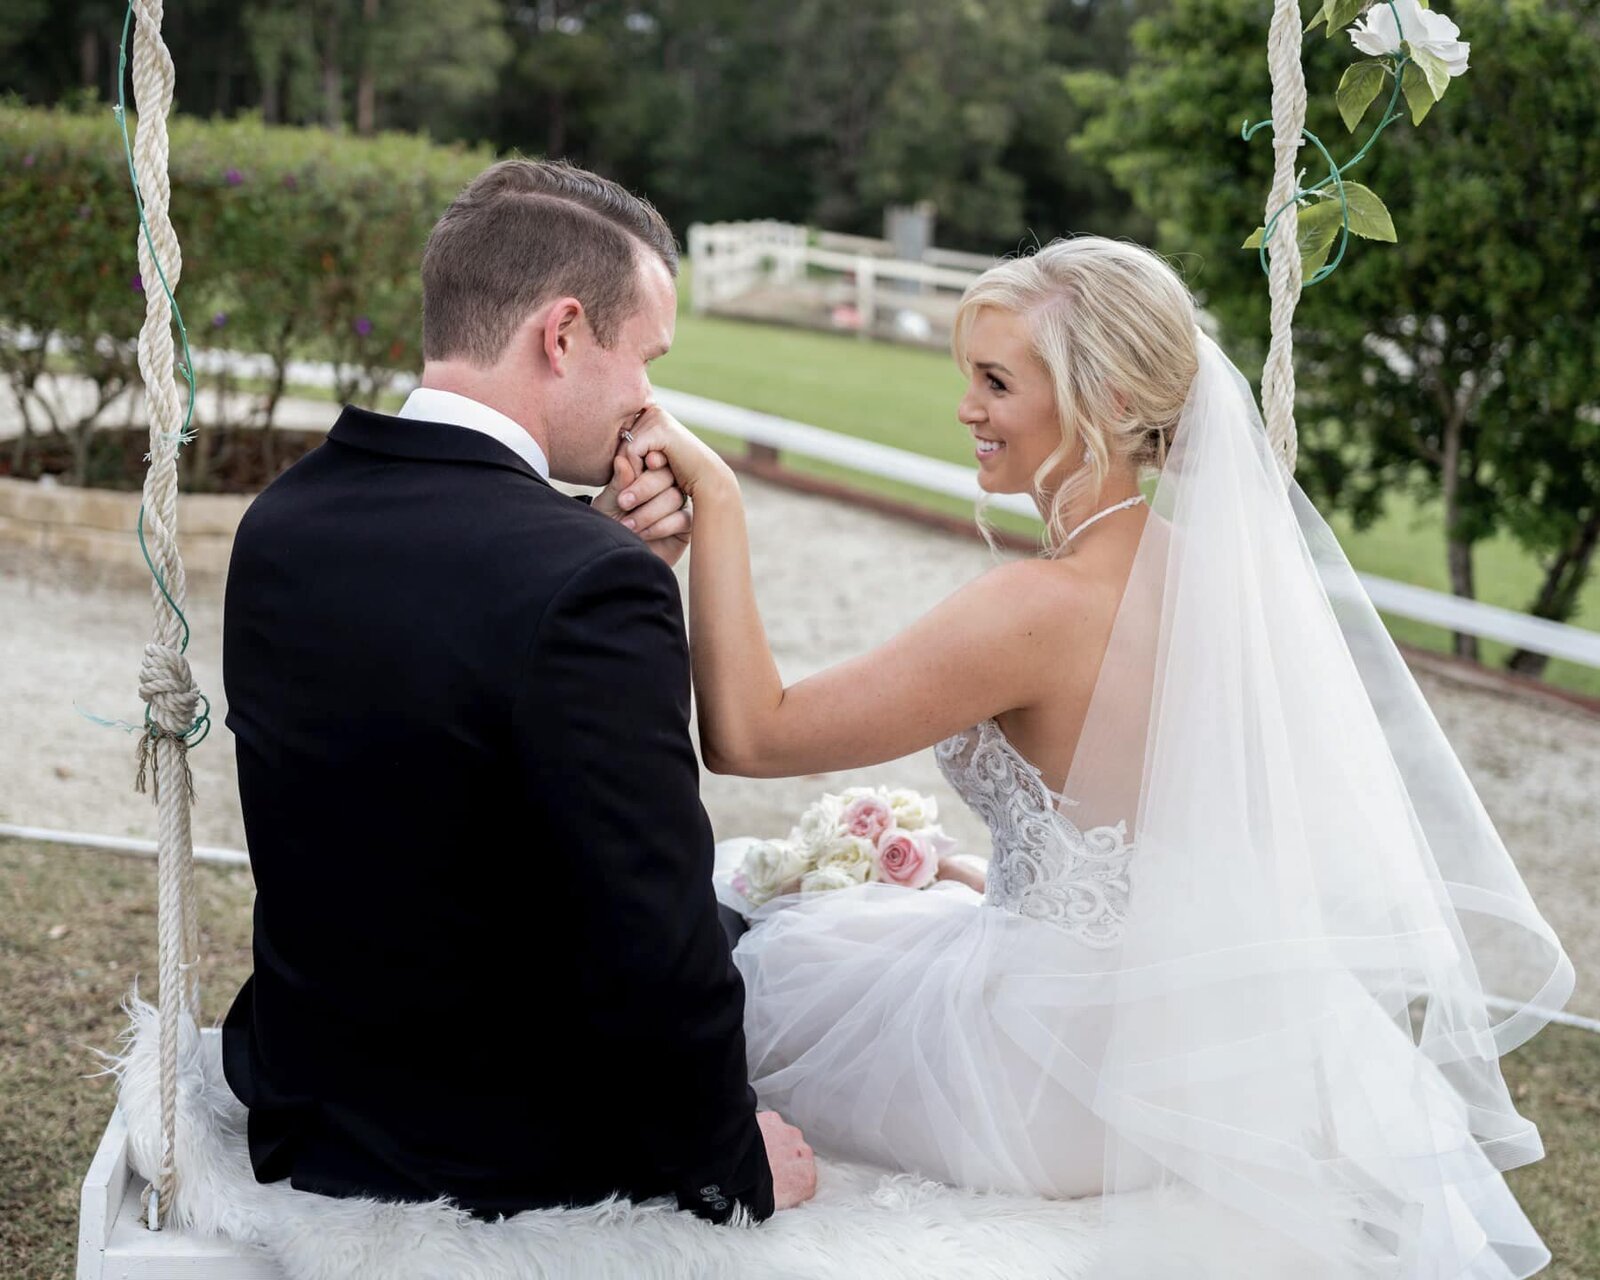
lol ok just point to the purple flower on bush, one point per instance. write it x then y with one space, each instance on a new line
27 161
220 319
361 325
137 283
291 182
233 177
84 212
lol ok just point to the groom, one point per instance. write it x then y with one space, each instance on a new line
488 961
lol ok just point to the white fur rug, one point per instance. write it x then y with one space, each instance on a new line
864 1223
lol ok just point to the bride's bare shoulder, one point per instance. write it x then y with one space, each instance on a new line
1047 598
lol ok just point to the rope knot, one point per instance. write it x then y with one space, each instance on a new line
173 700
167 686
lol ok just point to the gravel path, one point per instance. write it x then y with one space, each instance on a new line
832 581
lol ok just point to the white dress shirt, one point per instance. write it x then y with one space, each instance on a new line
432 405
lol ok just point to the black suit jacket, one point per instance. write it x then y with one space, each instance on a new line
488 962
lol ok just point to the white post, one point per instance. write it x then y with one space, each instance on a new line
699 268
866 295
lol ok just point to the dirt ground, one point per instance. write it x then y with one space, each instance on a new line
832 580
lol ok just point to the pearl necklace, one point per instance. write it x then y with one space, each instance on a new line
1100 515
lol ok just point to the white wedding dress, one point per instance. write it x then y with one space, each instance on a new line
899 1026
1266 948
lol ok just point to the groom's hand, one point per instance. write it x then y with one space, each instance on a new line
650 504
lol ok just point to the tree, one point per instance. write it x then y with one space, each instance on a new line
1458 365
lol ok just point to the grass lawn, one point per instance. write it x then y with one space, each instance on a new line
907 397
75 926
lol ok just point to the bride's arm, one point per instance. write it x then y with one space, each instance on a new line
982 651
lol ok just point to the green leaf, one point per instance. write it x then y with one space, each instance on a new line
1361 84
1319 228
1433 66
1414 84
1369 216
1341 13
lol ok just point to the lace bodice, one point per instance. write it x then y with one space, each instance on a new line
1043 866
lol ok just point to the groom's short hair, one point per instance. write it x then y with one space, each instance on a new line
522 234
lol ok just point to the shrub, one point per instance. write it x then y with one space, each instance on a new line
296 243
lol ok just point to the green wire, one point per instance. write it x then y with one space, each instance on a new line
1336 171
202 724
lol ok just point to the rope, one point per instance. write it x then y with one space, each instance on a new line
1283 276
166 684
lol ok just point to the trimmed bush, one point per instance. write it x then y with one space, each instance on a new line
296 243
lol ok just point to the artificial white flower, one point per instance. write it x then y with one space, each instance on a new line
770 868
818 824
1377 33
825 878
849 854
856 793
912 811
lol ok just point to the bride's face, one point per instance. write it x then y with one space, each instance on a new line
1009 407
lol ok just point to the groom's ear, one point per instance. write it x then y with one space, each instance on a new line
562 324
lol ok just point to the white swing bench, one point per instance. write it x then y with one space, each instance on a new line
864 1223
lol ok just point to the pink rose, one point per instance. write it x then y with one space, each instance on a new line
906 858
867 817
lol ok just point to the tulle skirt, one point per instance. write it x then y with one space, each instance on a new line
881 1020
932 1032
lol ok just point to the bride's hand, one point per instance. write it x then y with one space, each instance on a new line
961 869
693 462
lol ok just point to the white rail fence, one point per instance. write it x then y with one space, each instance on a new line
776 436
732 260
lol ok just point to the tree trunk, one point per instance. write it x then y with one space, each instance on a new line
556 132
80 453
89 58
1558 596
1459 549
19 446
269 97
367 89
332 78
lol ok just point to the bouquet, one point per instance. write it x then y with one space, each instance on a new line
864 833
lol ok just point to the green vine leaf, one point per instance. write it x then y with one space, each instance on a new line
1319 228
1419 95
1341 13
1369 216
1361 84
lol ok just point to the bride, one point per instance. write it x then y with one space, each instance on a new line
1246 931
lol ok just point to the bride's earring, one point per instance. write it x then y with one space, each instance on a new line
1087 456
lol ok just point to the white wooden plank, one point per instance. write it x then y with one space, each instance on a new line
1521 630
865 456
134 1252
100 1196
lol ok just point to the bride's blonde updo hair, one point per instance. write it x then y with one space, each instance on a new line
1114 326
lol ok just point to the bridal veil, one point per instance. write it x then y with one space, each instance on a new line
1327 947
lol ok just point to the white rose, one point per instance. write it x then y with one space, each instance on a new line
819 824
849 854
1378 35
912 811
771 868
825 878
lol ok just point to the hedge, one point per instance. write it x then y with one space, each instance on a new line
296 243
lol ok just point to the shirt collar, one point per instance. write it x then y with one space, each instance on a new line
429 404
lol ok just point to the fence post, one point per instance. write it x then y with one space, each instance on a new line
699 269
866 296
